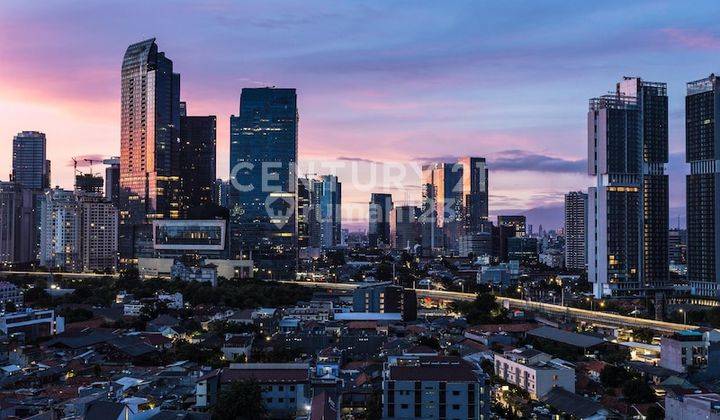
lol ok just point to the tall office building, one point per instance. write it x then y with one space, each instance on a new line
197 162
112 180
702 151
406 227
150 118
518 222
30 167
442 205
60 231
475 195
263 156
576 230
329 210
17 224
379 210
98 233
305 212
628 223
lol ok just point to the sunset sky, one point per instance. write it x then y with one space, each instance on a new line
383 81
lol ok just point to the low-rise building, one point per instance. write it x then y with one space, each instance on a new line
692 406
434 387
683 350
33 323
10 293
285 386
534 371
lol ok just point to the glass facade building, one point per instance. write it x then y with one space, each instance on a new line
628 221
702 152
150 118
197 161
380 207
30 167
262 197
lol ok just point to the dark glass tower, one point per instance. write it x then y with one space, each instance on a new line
197 162
474 194
30 167
379 219
150 117
263 200
628 224
702 151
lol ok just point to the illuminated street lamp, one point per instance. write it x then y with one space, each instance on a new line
684 315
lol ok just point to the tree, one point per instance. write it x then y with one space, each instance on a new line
242 400
613 376
483 310
655 413
637 391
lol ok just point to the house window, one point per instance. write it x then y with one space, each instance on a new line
281 388
456 393
269 400
456 406
281 399
292 387
404 406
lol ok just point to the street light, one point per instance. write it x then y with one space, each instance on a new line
684 315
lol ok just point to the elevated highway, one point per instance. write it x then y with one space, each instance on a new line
603 318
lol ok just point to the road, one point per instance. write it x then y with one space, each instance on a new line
547 308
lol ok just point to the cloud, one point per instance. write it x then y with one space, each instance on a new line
519 160
695 39
83 160
357 159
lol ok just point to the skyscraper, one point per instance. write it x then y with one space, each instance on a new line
328 210
702 151
17 224
575 230
263 155
197 161
442 206
627 227
474 193
30 167
405 227
379 210
60 242
98 233
150 118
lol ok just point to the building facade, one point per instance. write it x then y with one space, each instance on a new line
17 224
99 220
197 162
405 226
61 231
263 200
628 225
518 222
576 230
379 210
534 371
30 167
434 387
702 152
149 121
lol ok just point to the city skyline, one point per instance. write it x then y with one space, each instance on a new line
395 107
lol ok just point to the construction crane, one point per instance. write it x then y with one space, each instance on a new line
91 162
